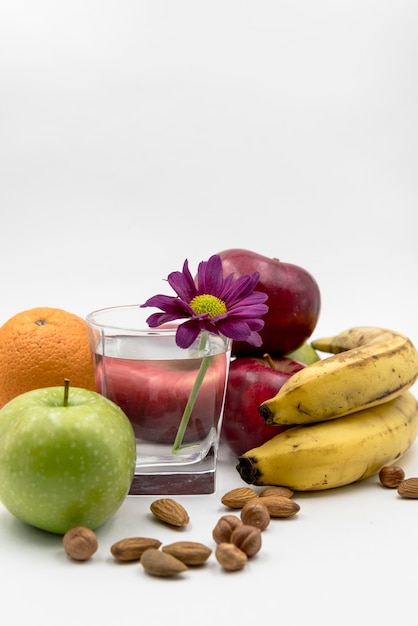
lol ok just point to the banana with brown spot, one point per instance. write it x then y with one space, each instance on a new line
336 452
368 367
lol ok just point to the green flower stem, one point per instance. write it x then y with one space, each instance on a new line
193 395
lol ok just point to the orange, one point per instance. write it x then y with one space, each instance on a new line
41 347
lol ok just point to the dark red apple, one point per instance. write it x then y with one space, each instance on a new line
251 381
294 301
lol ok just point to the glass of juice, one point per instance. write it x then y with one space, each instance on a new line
151 379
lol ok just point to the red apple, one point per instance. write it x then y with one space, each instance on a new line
251 381
294 301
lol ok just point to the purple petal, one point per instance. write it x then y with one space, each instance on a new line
249 310
209 276
242 288
240 331
254 339
187 333
169 304
158 319
228 281
160 301
234 329
183 283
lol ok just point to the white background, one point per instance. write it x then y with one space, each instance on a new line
137 134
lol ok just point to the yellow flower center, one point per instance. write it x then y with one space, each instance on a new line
206 303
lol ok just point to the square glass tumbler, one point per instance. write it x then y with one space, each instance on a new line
151 379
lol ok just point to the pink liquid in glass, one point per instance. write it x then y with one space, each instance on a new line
153 394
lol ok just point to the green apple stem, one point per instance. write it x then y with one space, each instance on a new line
269 360
66 391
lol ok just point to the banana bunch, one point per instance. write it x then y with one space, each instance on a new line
352 413
369 366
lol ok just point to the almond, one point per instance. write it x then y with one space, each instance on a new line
237 498
189 552
276 491
132 548
408 488
170 511
160 563
280 506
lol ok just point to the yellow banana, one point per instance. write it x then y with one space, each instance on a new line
336 452
368 367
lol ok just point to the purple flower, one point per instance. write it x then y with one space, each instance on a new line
215 304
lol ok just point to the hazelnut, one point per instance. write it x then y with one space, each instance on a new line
255 513
230 557
224 527
247 538
80 543
391 476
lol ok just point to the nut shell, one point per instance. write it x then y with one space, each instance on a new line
80 543
255 513
230 557
224 527
247 538
391 476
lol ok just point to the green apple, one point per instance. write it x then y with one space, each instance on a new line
305 354
67 458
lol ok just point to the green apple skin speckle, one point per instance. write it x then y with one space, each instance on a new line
64 466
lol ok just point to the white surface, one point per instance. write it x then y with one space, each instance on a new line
136 134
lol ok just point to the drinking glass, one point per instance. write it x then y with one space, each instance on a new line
151 379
